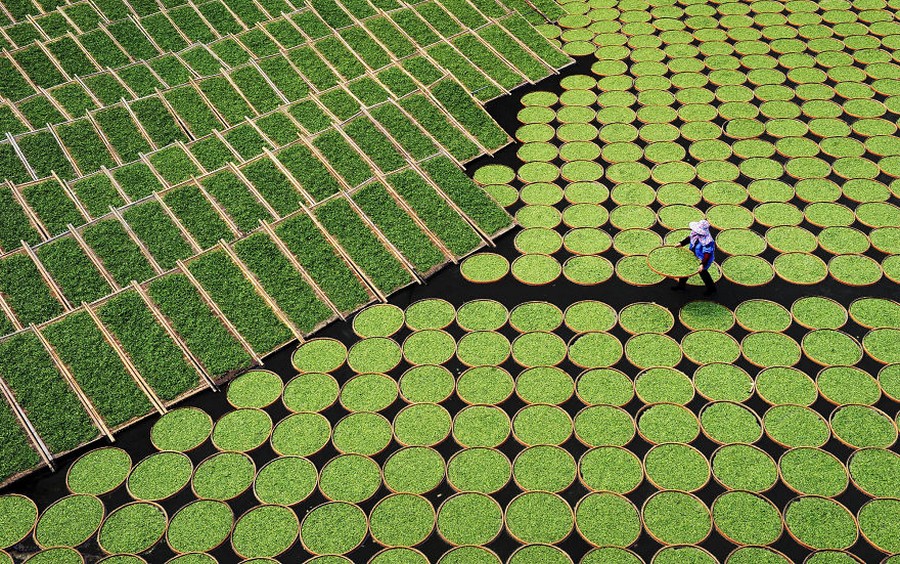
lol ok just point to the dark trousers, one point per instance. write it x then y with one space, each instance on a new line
707 279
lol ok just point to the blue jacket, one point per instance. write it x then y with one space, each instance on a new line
700 250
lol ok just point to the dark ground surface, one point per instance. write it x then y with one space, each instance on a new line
45 487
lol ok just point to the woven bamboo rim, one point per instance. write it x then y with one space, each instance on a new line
844 553
821 225
479 548
403 449
536 302
554 447
584 282
492 280
37 556
682 445
467 364
578 336
258 370
545 333
742 406
373 454
313 413
349 455
798 492
615 370
293 541
555 368
824 396
556 549
460 494
315 486
135 556
467 449
621 497
676 546
886 251
438 300
725 273
413 406
493 302
346 352
768 238
868 407
569 249
630 358
756 495
644 304
69 472
696 361
271 427
694 328
668 368
490 366
806 326
627 252
89 537
765 399
583 441
533 405
819 362
533 492
382 376
208 559
751 361
373 306
433 519
337 386
868 352
219 453
369 339
198 444
404 548
619 448
482 405
768 303
894 274
412 368
609 308
804 407
885 392
649 406
160 453
226 537
784 558
714 364
657 539
712 459
520 248
529 282
839 504
857 320
850 460
863 258
150 545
